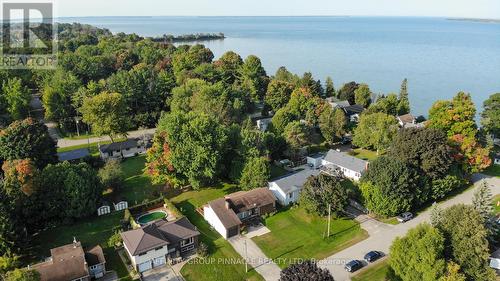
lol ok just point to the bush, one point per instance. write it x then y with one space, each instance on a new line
173 209
202 250
115 240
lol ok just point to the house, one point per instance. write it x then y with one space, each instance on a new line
123 149
152 245
353 111
263 124
406 119
226 215
73 155
352 167
337 104
72 263
287 189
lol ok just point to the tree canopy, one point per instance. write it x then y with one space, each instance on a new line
323 191
305 271
376 131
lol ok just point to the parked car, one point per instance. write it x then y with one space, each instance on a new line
404 217
346 140
353 266
373 256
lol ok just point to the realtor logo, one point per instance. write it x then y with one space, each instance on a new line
29 35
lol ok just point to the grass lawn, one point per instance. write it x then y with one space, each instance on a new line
496 207
392 220
213 268
296 234
364 154
92 146
137 186
277 171
493 170
90 232
377 272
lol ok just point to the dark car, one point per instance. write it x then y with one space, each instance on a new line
353 266
372 256
404 217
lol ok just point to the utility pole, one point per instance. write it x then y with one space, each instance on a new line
329 215
246 256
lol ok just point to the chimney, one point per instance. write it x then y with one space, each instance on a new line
227 204
74 242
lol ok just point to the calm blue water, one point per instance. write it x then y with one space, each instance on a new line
438 56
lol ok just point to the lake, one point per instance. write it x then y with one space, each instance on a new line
438 56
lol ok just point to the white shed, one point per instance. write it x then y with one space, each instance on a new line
103 210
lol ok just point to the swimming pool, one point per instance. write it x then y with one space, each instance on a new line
152 216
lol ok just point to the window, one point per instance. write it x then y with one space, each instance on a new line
142 254
188 241
158 248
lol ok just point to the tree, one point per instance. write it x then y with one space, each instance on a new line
457 119
376 130
278 94
188 148
323 191
333 124
386 104
490 117
305 271
362 95
347 92
107 114
424 149
28 139
390 187
471 254
297 135
253 73
8 262
228 65
482 201
453 273
443 186
17 98
403 100
22 275
329 88
111 175
255 174
419 255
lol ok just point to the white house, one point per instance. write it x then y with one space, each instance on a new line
123 149
287 189
227 214
150 246
352 167
263 124
103 210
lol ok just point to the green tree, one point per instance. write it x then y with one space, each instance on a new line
390 187
28 139
424 149
333 124
107 114
56 96
278 94
281 119
347 92
297 135
320 192
490 117
8 262
471 254
255 174
329 88
403 99
419 256
453 273
17 98
305 271
228 65
376 131
385 104
111 175
362 95
22 275
443 186
252 73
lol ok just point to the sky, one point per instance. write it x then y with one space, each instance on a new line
432 8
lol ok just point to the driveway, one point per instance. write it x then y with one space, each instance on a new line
382 235
256 258
163 273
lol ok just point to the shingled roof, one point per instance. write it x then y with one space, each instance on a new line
245 200
226 215
346 161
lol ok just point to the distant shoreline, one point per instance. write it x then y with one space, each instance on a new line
476 20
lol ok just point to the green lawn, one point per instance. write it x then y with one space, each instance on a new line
137 186
91 231
296 234
495 204
364 154
392 220
92 146
493 170
377 272
218 265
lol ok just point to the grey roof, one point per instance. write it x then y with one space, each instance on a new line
353 109
158 234
245 200
295 181
129 143
345 160
73 154
407 118
227 217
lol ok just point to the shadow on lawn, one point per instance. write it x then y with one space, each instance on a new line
288 252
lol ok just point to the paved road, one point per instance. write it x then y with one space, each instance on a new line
382 235
67 142
256 258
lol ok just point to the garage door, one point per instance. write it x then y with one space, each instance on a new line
159 261
144 266
233 231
